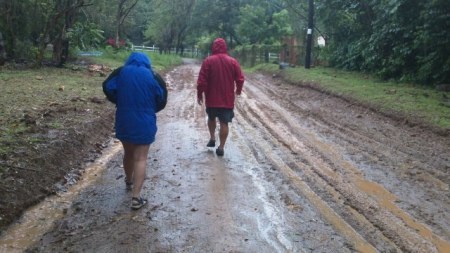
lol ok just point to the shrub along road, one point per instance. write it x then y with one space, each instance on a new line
303 171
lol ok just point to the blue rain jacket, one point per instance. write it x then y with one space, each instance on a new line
137 95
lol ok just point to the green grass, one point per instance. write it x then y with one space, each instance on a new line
160 62
35 93
54 98
427 104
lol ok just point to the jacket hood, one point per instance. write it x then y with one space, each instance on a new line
139 59
219 46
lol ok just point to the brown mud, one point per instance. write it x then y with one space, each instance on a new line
303 171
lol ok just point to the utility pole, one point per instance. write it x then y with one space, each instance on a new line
309 34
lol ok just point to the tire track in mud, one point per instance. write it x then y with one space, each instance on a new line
349 130
272 226
298 168
294 138
422 162
183 83
269 228
374 142
355 136
288 166
181 92
305 167
372 201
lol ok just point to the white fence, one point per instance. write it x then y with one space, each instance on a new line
144 48
274 57
194 52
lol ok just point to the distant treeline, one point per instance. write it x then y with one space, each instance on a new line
405 40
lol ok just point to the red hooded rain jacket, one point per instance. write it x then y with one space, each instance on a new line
217 78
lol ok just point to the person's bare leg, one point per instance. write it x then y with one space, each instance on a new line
212 129
140 168
128 163
135 165
223 134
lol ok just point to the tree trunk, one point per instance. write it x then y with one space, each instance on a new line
61 43
2 50
10 28
118 21
61 47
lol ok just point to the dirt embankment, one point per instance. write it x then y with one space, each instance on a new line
59 138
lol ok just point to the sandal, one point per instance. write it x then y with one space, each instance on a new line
211 143
220 151
137 203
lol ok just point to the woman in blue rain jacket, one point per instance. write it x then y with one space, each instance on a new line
137 95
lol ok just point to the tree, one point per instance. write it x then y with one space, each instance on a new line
85 35
124 8
217 17
136 24
397 39
100 13
62 21
19 30
29 26
432 42
170 23
259 26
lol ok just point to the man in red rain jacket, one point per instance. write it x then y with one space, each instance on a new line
220 78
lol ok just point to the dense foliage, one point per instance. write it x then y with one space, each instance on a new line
397 39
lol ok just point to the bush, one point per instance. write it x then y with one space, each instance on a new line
25 50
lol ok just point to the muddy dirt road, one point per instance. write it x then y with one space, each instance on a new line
302 172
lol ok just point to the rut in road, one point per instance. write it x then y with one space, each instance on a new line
315 154
303 171
332 154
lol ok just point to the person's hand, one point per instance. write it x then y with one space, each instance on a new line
200 101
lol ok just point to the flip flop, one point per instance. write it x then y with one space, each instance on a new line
211 143
219 151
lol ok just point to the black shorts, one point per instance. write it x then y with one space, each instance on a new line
225 115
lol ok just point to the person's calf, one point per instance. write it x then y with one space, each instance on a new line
212 129
223 135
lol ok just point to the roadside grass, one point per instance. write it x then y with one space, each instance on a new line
159 61
417 102
33 101
32 98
